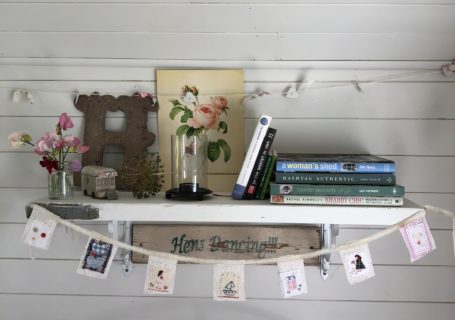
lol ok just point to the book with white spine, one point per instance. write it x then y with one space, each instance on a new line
251 155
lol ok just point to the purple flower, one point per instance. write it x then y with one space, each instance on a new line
76 165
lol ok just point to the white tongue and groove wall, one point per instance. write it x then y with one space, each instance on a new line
55 47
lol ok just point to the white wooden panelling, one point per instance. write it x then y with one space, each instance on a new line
396 137
209 18
406 283
348 2
218 46
426 100
57 307
270 40
68 245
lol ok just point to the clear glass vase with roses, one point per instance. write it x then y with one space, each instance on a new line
53 148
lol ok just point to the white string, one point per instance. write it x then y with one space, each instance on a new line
440 210
351 244
305 85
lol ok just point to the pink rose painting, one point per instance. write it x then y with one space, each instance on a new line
196 103
197 118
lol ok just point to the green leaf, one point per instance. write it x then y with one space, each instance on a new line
213 151
190 132
182 129
175 102
226 149
186 115
175 111
223 126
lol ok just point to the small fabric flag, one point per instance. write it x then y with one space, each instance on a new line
292 278
39 229
97 259
229 282
358 264
418 238
160 277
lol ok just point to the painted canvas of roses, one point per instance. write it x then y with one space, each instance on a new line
197 119
204 102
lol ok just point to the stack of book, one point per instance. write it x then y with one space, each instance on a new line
325 179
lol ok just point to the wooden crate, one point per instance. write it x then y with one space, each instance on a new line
226 242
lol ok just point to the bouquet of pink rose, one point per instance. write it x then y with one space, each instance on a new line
199 118
53 147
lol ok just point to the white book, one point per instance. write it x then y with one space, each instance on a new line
251 155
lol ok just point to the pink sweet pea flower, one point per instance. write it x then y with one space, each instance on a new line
43 146
16 140
81 148
76 165
65 122
51 136
71 141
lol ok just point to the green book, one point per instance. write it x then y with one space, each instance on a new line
265 179
336 190
383 179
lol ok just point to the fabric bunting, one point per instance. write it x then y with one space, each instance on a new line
229 278
39 229
97 259
292 278
160 277
418 238
229 282
358 264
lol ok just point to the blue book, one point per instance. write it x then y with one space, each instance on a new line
339 163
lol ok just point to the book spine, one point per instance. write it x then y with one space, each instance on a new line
265 188
337 190
337 200
265 172
251 155
336 178
258 168
322 166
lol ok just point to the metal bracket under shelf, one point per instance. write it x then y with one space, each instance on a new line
329 232
125 255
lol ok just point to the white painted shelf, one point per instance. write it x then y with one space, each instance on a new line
224 210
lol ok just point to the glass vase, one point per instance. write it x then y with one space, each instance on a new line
61 184
189 167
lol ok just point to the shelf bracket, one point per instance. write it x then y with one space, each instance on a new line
329 232
114 227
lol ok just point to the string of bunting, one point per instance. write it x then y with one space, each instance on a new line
229 274
291 92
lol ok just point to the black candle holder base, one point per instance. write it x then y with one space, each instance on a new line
188 191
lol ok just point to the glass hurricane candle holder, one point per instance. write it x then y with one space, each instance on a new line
189 167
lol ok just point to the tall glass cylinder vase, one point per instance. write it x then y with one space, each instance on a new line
189 167
60 184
